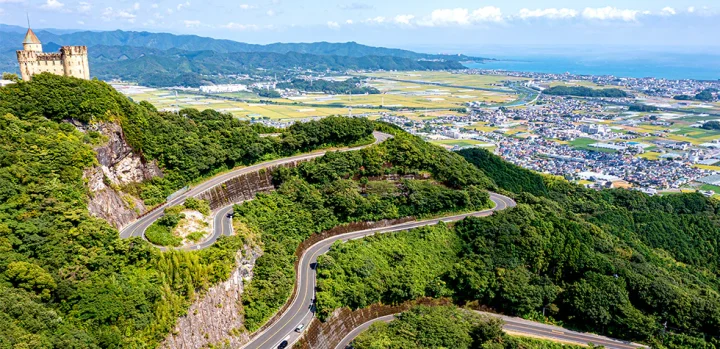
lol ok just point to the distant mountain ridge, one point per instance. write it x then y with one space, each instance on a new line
176 67
9 36
162 59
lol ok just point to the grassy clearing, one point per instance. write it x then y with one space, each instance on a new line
708 167
484 81
458 142
710 187
481 126
579 83
584 144
650 155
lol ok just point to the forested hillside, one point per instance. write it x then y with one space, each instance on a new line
582 91
161 59
66 279
188 145
616 262
161 68
446 327
349 187
12 36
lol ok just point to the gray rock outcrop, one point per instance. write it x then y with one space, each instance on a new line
216 317
118 166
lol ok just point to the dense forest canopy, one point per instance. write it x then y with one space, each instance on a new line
348 187
111 51
66 279
703 96
191 68
617 262
188 145
711 125
349 86
10 39
445 327
582 91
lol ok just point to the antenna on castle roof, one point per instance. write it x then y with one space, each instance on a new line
28 19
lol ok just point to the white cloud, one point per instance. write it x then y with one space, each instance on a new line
84 7
487 14
159 15
610 13
247 7
462 16
170 11
691 9
11 1
349 21
333 25
271 13
183 5
238 26
52 5
375 20
110 14
551 13
136 6
404 19
154 5
192 23
80 22
1 11
668 11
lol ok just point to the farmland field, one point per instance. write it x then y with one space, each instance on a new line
171 100
447 78
460 143
415 100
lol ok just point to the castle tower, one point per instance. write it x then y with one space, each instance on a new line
31 42
70 61
75 61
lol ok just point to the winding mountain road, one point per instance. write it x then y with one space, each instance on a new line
300 310
222 222
522 327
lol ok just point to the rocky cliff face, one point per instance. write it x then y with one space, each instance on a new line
118 165
216 318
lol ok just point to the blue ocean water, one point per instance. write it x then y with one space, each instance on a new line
703 66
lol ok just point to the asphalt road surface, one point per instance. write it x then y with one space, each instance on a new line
521 327
300 310
222 222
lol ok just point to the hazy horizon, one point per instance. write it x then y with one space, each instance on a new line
443 27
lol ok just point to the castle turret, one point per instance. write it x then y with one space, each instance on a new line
31 42
75 61
70 61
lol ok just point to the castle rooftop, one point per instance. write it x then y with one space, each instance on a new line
31 38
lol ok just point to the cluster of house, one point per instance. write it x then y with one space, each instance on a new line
650 86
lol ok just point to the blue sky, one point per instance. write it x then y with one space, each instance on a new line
450 25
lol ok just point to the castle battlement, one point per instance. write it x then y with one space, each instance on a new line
49 57
69 61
